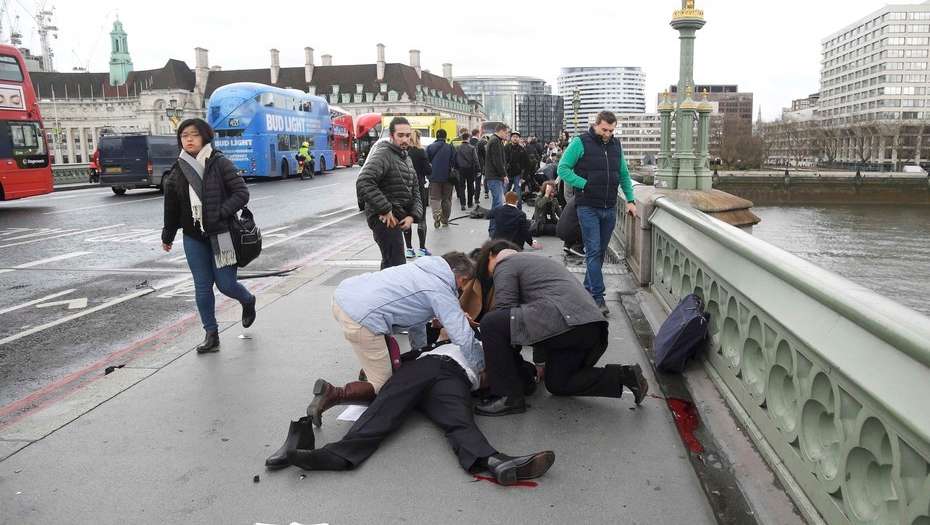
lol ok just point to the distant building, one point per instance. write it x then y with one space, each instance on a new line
873 88
617 89
79 107
525 103
640 134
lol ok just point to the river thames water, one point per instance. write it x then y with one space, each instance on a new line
885 248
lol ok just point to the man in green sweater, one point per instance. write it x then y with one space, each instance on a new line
593 164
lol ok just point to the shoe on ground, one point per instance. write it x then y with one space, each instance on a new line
299 436
509 470
602 305
500 406
423 252
248 313
464 208
577 251
409 253
437 224
210 344
634 379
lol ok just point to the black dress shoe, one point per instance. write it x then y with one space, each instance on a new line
632 377
248 313
509 470
299 435
501 406
211 343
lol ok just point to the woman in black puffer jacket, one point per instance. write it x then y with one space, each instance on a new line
203 217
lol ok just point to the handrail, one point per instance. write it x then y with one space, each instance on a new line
897 325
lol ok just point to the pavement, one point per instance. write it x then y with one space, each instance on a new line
176 437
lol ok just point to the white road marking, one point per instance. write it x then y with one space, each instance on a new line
73 304
35 301
79 232
38 233
44 261
11 231
103 205
337 212
113 302
260 198
310 230
320 187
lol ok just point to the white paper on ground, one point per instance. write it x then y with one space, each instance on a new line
352 413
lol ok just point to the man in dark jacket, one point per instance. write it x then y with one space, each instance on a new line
387 187
538 302
467 161
442 157
518 165
593 164
495 165
481 148
508 222
569 230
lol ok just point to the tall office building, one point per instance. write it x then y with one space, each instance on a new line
618 89
525 103
873 88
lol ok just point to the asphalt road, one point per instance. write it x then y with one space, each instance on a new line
83 273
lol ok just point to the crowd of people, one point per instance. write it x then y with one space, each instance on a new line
467 316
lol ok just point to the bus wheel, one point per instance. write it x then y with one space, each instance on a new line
118 191
284 171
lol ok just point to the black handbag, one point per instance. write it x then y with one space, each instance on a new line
246 237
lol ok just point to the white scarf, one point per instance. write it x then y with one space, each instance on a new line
196 205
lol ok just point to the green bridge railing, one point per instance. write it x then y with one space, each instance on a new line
835 377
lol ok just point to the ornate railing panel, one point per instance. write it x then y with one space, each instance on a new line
835 376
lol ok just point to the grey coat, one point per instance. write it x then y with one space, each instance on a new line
388 182
544 298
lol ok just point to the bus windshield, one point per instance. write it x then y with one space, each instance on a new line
20 139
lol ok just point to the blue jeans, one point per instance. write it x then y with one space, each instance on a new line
496 189
200 259
516 187
597 225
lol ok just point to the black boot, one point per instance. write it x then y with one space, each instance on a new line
299 435
508 470
632 377
248 313
211 343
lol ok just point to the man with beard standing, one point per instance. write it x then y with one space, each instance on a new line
388 190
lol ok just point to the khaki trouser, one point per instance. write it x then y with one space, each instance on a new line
370 348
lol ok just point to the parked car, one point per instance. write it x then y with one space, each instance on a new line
136 161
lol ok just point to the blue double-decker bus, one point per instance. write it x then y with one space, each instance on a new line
260 128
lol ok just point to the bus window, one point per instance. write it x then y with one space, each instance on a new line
295 143
26 139
267 100
284 143
229 133
9 69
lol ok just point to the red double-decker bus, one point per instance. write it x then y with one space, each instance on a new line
25 169
367 132
343 142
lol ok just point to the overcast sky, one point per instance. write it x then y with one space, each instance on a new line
770 48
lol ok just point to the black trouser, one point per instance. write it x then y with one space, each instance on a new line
439 388
478 185
390 241
566 373
508 373
421 226
466 187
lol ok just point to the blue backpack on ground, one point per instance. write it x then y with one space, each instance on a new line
682 335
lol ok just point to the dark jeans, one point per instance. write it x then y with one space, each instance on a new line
439 388
597 225
478 184
466 187
200 260
390 241
565 355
